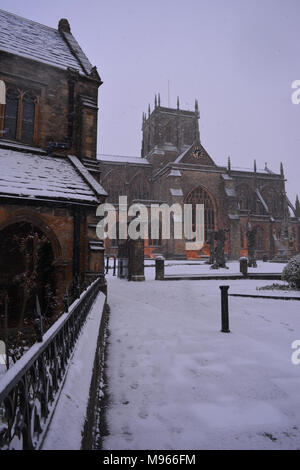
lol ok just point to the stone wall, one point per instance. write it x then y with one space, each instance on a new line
50 87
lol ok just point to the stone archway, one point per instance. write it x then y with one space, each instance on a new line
26 270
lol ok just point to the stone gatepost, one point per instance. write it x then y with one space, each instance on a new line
96 263
159 268
244 266
136 260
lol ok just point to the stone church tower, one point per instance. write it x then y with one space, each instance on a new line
168 132
174 167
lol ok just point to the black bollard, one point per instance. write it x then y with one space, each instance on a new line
107 264
244 266
224 307
114 271
159 268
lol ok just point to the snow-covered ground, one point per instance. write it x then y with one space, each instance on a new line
190 267
176 382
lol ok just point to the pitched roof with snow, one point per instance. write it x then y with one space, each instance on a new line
38 42
122 159
45 177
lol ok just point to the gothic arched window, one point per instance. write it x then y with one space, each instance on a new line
244 196
272 199
156 241
140 188
201 196
114 186
260 242
28 111
11 113
19 116
187 135
169 135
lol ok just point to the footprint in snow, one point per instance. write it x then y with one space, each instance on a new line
127 433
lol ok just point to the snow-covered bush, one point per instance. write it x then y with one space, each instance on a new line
291 272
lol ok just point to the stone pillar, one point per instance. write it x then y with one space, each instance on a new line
244 266
159 268
136 260
96 263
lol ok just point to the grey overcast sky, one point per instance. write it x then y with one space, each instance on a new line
238 57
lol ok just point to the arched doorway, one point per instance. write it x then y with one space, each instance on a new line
200 195
26 271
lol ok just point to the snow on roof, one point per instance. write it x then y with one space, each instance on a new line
176 191
174 172
250 170
42 176
185 152
35 41
262 200
230 192
122 159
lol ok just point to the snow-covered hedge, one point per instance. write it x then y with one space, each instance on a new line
291 272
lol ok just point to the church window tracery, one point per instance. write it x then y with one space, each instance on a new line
200 196
19 116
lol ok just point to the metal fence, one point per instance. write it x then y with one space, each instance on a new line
30 389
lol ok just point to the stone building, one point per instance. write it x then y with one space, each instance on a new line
49 175
174 167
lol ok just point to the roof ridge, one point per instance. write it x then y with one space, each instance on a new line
29 20
115 155
180 157
76 50
86 175
35 41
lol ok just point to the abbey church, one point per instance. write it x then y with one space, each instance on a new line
174 167
52 178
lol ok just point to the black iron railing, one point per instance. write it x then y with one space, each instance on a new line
29 390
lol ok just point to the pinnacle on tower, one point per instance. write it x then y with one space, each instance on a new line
155 102
158 99
255 168
281 170
177 102
149 110
297 206
229 165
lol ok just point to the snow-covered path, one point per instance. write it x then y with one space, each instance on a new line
176 382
